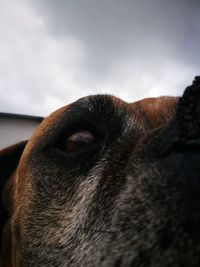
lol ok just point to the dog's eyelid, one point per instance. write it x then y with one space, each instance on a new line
79 140
81 136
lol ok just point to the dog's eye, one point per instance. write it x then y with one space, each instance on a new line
79 140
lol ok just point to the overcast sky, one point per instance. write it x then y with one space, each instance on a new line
54 52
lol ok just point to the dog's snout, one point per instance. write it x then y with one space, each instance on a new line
189 113
184 150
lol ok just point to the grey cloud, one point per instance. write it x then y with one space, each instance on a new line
113 30
54 52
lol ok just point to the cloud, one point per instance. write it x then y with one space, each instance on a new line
35 67
53 52
111 30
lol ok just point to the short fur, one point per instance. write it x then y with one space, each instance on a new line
130 199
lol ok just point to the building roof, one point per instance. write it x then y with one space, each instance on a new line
21 116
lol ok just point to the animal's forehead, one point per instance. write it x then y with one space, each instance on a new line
156 111
148 113
153 109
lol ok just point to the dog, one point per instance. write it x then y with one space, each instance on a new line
106 183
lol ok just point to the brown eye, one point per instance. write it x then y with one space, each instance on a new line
79 140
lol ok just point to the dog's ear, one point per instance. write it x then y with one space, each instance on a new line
9 159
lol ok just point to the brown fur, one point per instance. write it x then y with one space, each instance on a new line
127 201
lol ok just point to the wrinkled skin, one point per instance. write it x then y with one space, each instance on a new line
131 198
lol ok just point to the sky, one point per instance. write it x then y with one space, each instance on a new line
54 52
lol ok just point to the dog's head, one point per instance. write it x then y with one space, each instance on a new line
106 183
